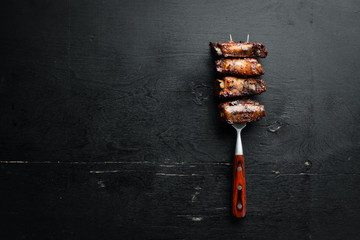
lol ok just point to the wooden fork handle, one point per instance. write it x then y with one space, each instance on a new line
239 187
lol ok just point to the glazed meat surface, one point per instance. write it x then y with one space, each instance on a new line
233 49
229 87
244 67
240 111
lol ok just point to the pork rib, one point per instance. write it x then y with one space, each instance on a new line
228 87
244 67
239 111
233 49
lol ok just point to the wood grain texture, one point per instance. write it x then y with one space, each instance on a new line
238 206
109 126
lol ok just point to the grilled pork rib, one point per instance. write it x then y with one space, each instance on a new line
229 87
239 111
233 49
244 67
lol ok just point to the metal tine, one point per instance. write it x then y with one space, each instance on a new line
247 39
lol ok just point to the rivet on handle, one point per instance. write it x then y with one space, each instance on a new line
239 206
239 169
239 187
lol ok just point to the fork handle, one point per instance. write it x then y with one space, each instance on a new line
239 187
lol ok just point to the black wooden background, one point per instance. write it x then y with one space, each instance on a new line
109 128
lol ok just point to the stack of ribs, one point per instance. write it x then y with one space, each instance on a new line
238 68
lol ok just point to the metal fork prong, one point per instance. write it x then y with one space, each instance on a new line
247 39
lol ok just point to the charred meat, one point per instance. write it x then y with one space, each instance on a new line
240 111
229 87
244 67
233 49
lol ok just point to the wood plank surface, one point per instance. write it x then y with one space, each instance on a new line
110 130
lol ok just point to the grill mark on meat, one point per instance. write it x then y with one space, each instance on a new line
228 87
233 49
239 111
243 67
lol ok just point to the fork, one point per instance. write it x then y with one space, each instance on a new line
239 184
